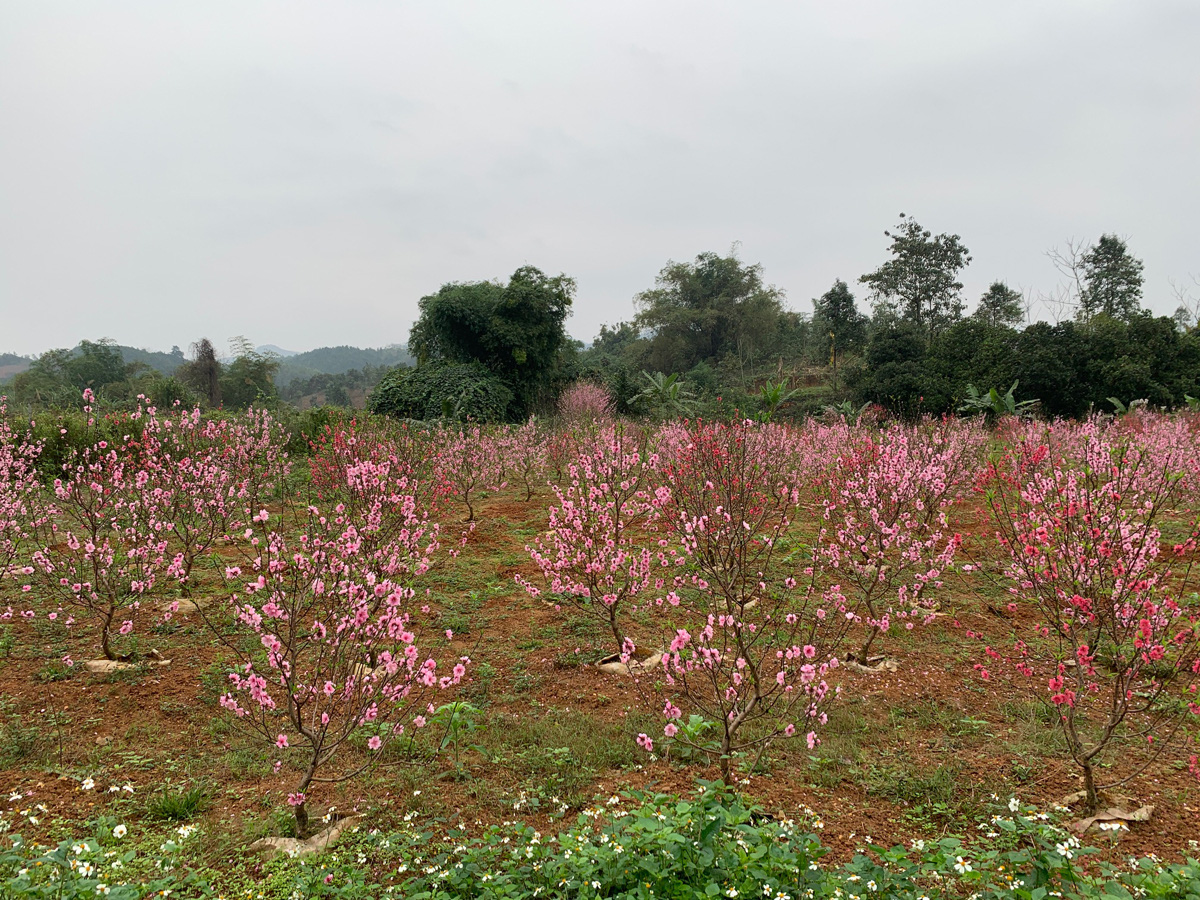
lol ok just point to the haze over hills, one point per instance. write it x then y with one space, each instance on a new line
337 360
293 365
276 349
11 364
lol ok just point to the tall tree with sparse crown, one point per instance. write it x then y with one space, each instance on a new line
920 281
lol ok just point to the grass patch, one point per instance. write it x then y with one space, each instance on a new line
946 795
180 805
557 757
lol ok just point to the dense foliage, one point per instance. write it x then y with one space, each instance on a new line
1069 368
514 331
712 337
631 847
456 391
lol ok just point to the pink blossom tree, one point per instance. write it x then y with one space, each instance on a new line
585 402
337 649
884 536
100 547
596 555
468 461
754 638
1113 645
206 477
18 492
408 452
526 451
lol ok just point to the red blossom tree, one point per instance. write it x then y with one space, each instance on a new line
1113 644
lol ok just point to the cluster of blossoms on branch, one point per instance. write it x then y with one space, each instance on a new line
751 651
19 486
596 554
885 535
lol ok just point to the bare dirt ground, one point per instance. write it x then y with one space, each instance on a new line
915 752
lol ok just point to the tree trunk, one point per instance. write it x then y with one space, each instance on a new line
301 822
301 809
105 646
186 584
862 655
1089 787
612 624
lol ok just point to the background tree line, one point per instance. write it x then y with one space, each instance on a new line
713 338
727 335
57 378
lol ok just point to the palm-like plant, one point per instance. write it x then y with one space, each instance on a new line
993 404
666 394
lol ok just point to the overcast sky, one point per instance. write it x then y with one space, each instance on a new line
303 172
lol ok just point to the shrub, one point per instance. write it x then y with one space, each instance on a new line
462 392
752 645
595 555
325 644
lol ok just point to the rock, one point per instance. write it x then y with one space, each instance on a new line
876 666
106 666
612 665
185 606
270 848
1108 818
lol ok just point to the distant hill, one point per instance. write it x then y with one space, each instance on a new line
11 364
164 363
292 366
338 360
276 349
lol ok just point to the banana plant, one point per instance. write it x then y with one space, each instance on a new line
666 393
993 404
772 396
847 411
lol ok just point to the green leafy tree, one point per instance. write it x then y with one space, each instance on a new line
920 282
203 372
95 364
58 377
614 342
166 392
515 331
1045 363
1112 281
1000 306
45 382
249 378
895 374
708 310
838 327
337 395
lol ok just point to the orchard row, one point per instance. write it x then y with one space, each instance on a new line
737 566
